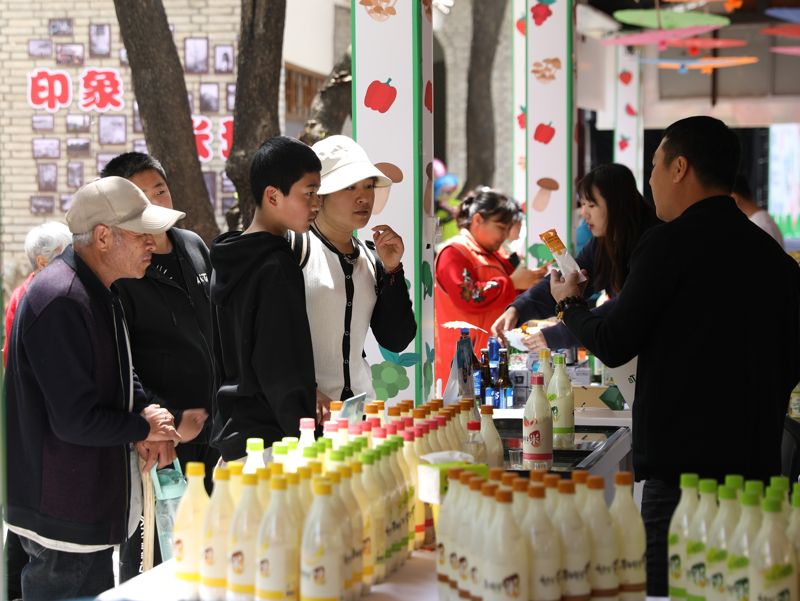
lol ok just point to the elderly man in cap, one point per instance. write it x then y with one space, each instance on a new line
76 411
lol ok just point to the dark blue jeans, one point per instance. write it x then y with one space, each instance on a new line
659 500
53 575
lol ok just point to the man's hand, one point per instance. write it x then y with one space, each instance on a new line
524 278
162 453
534 341
162 424
388 245
507 321
192 423
323 407
561 287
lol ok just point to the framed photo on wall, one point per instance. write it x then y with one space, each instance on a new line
69 54
223 59
111 129
46 148
47 177
78 122
230 100
99 39
74 174
65 202
42 205
42 122
39 48
59 27
78 147
102 160
209 98
195 55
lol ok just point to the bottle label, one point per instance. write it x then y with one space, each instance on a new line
603 573
322 575
632 573
715 568
575 575
537 439
186 567
775 583
509 396
695 570
213 568
242 569
737 579
544 574
677 559
278 571
504 581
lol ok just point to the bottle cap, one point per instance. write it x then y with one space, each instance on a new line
336 405
425 428
419 431
432 424
507 478
519 484
754 486
293 478
391 429
537 380
503 495
328 443
375 422
322 486
566 487
773 492
544 353
345 471
291 442
770 505
454 473
781 482
536 491
437 404
441 420
408 435
689 480
380 405
354 430
475 483
368 457
249 479
538 475
330 427
749 499
487 410
708 486
307 423
580 476
276 469
626 479
278 483
356 467
196 468
384 449
408 422
304 472
394 411
316 467
595 482
334 476
366 428
473 426
465 477
397 439
337 456
466 404
378 432
221 474
348 449
796 499
735 481
234 467
419 413
309 453
795 487
488 488
558 359
371 409
727 493
255 444
263 473
552 480
280 448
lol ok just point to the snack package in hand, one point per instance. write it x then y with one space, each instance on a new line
566 262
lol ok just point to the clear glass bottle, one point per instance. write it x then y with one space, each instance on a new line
475 444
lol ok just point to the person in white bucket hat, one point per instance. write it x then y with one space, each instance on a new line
352 285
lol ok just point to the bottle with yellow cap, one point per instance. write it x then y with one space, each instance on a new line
187 533
678 534
323 548
632 541
241 575
505 566
773 564
263 476
575 549
235 469
214 559
278 547
375 538
346 528
360 494
306 495
357 525
336 410
293 494
255 455
494 446
603 541
544 548
545 367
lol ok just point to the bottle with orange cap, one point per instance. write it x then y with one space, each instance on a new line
552 497
278 547
519 486
187 533
241 574
575 549
463 537
537 428
580 478
217 520
632 541
323 548
544 548
491 437
444 545
603 539
454 442
475 444
381 405
478 539
393 413
336 410
505 565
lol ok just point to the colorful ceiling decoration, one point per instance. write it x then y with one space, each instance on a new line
730 5
785 14
704 65
658 36
784 31
695 45
668 19
788 50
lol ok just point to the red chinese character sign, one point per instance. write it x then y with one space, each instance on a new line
49 89
225 136
101 90
202 137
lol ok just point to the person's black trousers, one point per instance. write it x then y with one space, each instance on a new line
659 500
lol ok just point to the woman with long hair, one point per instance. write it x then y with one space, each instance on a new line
617 216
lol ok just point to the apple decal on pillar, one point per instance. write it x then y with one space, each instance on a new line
544 133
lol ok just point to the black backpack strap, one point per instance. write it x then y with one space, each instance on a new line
300 246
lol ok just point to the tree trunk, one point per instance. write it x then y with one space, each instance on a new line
255 113
487 19
164 110
332 103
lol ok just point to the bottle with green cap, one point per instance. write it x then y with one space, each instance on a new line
793 531
678 534
756 487
773 564
214 558
562 405
241 574
736 568
278 547
280 455
736 482
323 548
255 455
309 453
375 538
719 538
187 533
777 493
697 541
292 455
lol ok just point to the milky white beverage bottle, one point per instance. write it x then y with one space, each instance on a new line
505 567
408 507
255 455
537 428
453 441
632 540
551 482
357 524
476 555
360 494
697 541
679 534
295 503
263 476
773 564
390 496
323 548
375 538
278 548
490 435
575 548
562 405
306 495
213 561
235 469
463 537
793 531
520 505
242 535
737 579
444 545
412 460
475 444
719 538
545 366
581 479
307 439
544 549
346 526
604 542
187 530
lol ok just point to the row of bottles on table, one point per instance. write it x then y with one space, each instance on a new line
734 541
492 381
541 540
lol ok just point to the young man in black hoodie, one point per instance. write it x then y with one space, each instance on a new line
264 344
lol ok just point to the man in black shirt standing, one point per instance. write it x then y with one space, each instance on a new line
712 309
169 316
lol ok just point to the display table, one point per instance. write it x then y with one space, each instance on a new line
415 580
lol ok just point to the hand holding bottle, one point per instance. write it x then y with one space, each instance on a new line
507 321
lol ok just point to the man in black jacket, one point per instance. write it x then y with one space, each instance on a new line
168 313
718 357
74 404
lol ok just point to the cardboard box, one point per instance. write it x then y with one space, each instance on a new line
589 396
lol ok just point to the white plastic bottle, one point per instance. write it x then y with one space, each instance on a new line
545 366
575 548
773 564
360 493
293 495
476 554
278 548
719 538
235 469
544 548
444 545
551 482
323 548
214 559
697 541
357 525
263 476
604 541
581 479
241 575
505 567
490 435
345 525
475 444
307 439
463 538
336 411
375 538
679 534
519 507
632 540
187 531
255 455
562 405
737 579
410 456
537 428
306 494
793 531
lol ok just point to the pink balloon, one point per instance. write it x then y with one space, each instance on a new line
439 169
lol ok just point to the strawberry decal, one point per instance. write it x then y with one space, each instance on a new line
629 110
625 77
623 143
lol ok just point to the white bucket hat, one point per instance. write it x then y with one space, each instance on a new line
344 163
